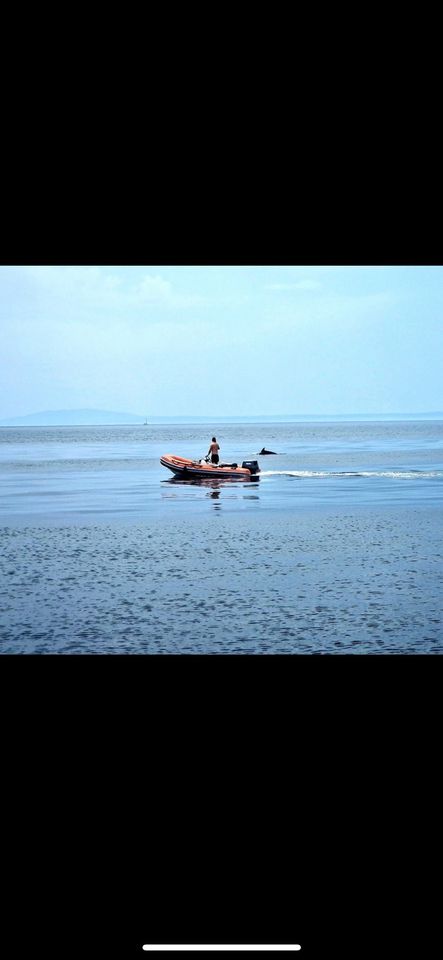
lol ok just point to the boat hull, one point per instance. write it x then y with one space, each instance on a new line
195 470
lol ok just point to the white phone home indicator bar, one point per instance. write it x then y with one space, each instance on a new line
187 947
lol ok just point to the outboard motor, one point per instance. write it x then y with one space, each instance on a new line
251 465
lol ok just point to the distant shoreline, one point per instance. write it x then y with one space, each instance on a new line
26 422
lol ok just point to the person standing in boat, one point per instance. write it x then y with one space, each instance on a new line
213 450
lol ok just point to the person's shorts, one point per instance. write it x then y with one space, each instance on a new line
214 458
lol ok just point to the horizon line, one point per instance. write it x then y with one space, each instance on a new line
226 418
211 416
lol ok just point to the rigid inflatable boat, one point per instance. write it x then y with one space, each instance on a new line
202 470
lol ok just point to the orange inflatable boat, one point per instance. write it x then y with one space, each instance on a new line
202 470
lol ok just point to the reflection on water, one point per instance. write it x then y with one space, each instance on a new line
217 482
175 488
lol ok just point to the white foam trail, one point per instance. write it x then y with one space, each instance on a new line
293 473
389 474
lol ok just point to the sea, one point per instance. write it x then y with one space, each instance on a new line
336 548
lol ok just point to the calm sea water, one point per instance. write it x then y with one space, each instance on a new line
72 473
336 548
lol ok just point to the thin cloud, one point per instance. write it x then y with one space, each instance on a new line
301 285
103 288
154 289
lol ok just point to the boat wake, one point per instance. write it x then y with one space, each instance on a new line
339 474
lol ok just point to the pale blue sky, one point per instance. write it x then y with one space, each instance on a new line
221 340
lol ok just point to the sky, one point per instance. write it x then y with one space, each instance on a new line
240 340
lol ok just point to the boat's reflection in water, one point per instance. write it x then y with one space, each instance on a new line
177 488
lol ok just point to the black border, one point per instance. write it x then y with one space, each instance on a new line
357 201
223 799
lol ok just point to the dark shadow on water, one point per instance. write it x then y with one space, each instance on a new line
210 488
215 484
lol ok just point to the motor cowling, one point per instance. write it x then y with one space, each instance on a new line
251 465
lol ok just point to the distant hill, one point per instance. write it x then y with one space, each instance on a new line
91 418
59 418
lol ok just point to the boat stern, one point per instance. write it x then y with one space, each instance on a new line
252 466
